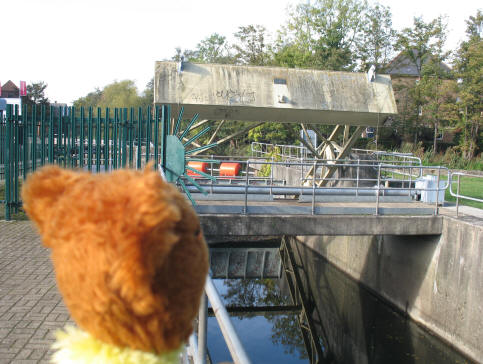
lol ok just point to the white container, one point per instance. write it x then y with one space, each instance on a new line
430 182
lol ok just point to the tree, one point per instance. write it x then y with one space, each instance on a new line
376 46
119 94
423 42
323 35
92 99
251 47
36 93
212 49
275 133
423 46
469 69
439 97
147 98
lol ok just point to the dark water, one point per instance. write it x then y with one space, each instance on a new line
312 312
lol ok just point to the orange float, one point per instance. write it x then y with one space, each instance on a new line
230 169
200 166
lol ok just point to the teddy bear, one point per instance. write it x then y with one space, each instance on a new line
130 261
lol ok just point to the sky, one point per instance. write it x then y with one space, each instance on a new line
77 45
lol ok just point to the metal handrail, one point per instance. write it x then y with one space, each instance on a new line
379 188
197 351
457 194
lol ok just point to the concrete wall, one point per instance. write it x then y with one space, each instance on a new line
355 326
436 280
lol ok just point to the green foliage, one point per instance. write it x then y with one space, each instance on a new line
251 47
36 93
119 94
92 99
469 69
378 36
274 133
423 41
324 34
273 156
147 98
212 49
430 100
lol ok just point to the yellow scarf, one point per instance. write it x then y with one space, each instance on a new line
74 346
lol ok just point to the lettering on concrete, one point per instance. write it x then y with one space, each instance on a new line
228 96
237 96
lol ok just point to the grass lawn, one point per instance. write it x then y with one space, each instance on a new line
469 186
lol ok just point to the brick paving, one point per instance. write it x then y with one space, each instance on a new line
31 308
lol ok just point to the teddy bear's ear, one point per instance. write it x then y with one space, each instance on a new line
42 189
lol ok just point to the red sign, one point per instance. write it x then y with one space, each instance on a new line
23 88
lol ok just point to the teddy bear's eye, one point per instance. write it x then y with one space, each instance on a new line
197 232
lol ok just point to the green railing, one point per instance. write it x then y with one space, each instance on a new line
92 139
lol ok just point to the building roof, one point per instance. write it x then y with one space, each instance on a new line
10 86
403 65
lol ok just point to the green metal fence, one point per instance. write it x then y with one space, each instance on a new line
94 140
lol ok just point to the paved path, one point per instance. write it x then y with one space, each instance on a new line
31 308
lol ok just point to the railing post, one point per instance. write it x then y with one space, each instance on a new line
457 197
313 187
357 182
271 177
202 329
436 208
211 174
410 178
245 208
378 188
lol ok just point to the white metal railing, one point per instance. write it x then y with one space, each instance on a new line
285 152
457 194
379 184
197 348
291 152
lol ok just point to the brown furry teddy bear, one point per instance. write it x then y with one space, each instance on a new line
129 258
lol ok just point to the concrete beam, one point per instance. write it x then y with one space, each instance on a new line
251 93
264 225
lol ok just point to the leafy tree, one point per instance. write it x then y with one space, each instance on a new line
36 93
423 45
378 36
92 99
212 49
439 97
120 94
275 133
251 47
423 41
324 34
147 98
469 66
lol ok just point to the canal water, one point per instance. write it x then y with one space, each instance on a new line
300 309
